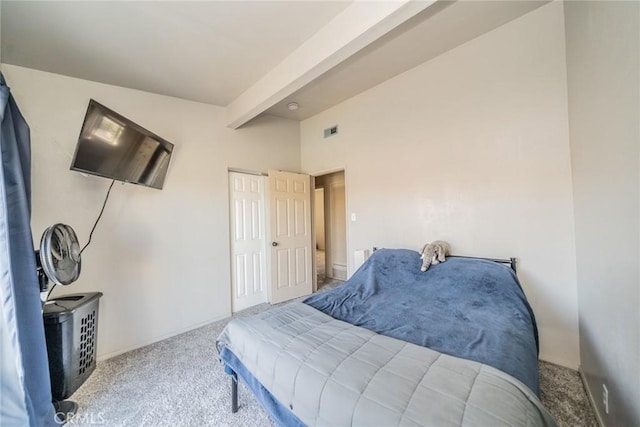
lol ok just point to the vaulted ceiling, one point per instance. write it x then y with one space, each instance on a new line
252 57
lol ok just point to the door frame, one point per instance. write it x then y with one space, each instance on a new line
347 220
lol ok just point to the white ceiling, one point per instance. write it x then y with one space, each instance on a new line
216 51
202 51
438 29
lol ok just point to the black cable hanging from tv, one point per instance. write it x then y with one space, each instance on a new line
104 204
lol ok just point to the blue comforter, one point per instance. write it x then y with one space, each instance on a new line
469 308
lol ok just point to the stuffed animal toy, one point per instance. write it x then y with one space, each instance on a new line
434 253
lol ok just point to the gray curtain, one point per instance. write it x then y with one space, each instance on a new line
25 391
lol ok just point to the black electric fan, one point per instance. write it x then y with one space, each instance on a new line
58 259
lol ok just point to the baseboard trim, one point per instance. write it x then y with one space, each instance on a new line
592 401
103 357
339 271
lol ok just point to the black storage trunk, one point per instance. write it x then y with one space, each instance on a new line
71 329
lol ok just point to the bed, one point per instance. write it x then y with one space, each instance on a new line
394 346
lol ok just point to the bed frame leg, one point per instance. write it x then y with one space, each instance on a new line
234 393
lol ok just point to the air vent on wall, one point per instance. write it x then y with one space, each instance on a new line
330 131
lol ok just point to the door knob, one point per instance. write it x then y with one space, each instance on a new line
274 243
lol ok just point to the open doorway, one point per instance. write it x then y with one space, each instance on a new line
330 230
320 231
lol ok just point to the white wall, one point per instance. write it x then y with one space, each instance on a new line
161 258
603 50
471 147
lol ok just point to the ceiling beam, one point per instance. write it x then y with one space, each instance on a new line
358 25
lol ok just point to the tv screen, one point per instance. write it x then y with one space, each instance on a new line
114 147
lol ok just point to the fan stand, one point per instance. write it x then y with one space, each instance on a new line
65 410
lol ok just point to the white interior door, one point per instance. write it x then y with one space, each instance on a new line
248 240
290 233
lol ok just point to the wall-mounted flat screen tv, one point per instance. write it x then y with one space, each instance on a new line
114 147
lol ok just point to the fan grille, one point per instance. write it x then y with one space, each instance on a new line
60 254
